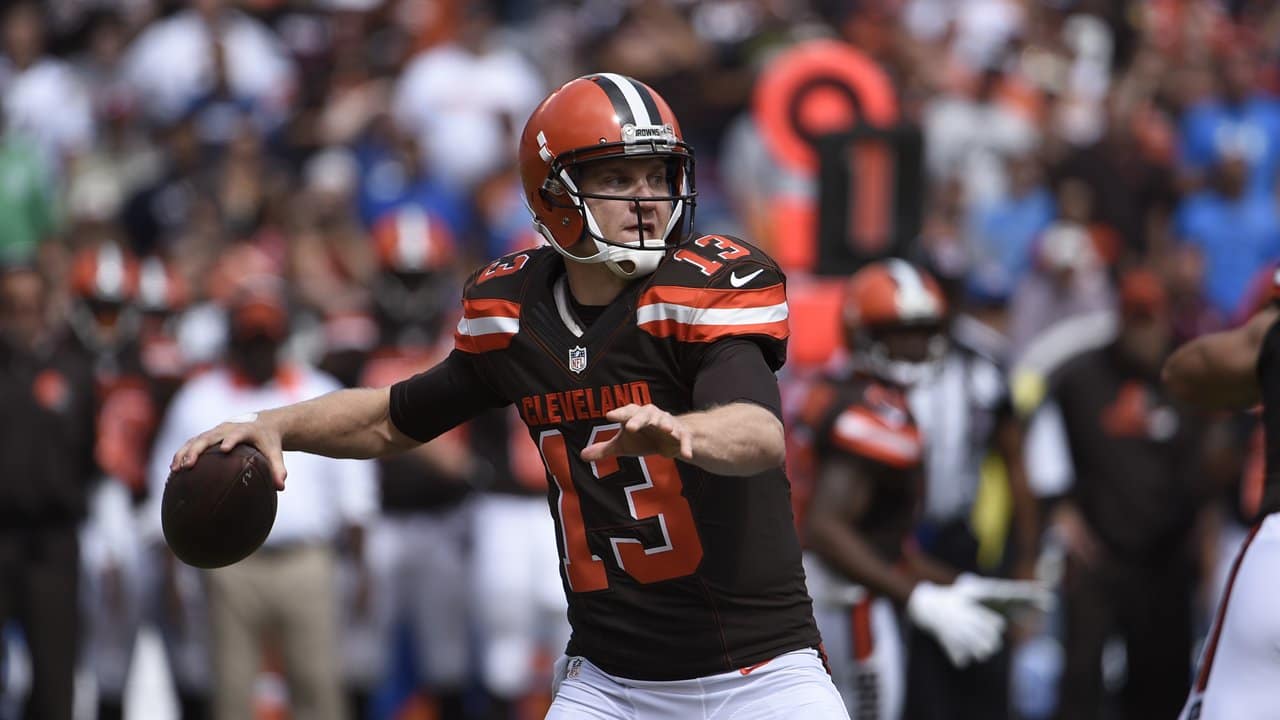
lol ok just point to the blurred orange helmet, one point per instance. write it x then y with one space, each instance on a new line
238 266
592 118
890 297
410 240
259 308
106 273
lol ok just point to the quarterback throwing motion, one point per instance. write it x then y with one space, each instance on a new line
642 362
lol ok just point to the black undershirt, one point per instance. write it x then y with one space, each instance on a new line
588 314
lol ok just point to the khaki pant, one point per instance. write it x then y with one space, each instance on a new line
288 596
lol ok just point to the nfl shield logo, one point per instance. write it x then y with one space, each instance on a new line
577 359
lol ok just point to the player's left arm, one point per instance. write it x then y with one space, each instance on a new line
1219 370
737 431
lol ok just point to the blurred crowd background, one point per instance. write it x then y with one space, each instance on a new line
254 186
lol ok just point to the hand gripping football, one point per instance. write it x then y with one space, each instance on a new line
221 509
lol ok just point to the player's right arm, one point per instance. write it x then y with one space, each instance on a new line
357 422
1219 370
370 423
840 501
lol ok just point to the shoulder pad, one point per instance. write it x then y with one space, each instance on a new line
491 300
506 277
714 261
713 288
876 425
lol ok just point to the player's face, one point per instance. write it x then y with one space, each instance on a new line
911 344
22 307
619 220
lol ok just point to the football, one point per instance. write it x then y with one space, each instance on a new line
218 511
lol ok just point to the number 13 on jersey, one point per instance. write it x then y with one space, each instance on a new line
657 497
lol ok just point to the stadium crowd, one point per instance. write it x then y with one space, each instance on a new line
212 206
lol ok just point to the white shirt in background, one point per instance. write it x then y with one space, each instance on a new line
454 101
171 64
48 103
321 495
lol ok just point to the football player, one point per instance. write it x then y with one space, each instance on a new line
122 314
104 320
1238 669
416 552
869 482
642 361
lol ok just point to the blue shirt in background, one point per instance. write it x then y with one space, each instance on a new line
1002 238
1213 129
1237 237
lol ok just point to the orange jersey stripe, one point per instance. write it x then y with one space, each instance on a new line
863 640
714 297
490 307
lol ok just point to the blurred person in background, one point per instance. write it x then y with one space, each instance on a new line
463 100
1235 233
1067 282
520 606
121 589
31 169
250 190
1236 369
44 101
28 197
156 214
213 62
1129 519
256 600
124 148
870 454
332 261
1239 122
48 444
973 443
394 172
418 549
105 323
969 133
1001 232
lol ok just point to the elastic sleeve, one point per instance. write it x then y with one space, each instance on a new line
735 370
438 400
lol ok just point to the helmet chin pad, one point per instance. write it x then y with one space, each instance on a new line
625 261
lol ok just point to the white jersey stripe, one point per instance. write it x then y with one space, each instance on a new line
689 315
857 427
488 325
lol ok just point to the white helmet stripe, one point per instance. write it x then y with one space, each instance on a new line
153 283
413 235
637 105
109 280
914 300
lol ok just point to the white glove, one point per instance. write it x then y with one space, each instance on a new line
967 631
1005 596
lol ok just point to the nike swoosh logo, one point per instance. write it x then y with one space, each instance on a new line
736 281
